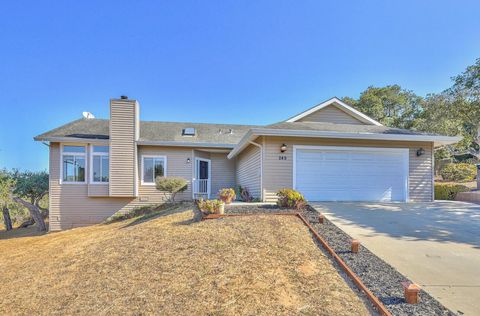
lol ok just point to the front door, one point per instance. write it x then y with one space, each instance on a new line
203 170
202 175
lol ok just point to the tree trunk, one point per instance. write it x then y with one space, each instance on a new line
6 218
28 222
34 212
43 211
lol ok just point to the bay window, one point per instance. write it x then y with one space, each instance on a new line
100 164
73 164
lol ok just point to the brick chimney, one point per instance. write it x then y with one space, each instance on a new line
124 133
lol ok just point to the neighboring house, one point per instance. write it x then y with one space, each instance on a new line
330 152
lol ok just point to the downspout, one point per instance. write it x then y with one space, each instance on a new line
261 168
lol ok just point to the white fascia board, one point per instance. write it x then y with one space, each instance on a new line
253 133
71 140
146 143
347 108
244 142
184 144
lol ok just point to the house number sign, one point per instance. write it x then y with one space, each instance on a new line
282 157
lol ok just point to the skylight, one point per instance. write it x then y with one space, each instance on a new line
189 131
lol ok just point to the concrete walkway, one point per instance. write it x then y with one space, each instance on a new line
437 245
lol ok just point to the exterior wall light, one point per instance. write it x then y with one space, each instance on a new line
283 148
188 160
420 152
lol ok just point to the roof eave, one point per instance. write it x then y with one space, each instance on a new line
62 139
56 139
185 144
437 140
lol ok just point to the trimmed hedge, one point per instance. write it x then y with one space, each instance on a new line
461 172
448 191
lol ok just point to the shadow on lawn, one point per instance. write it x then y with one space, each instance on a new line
30 231
174 209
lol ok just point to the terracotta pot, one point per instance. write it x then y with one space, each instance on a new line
226 199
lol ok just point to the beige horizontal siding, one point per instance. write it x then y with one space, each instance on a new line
223 173
331 114
278 174
123 149
98 190
248 173
201 154
71 206
177 166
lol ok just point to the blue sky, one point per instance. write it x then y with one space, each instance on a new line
253 62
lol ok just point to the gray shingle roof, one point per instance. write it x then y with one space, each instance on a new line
153 131
346 128
216 135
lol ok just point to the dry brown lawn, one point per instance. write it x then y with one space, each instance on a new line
173 265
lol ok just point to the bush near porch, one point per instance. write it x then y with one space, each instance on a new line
291 199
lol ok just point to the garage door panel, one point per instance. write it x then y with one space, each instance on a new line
352 174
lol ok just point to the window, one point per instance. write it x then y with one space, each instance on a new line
189 131
100 164
153 167
73 164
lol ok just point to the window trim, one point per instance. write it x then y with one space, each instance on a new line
164 168
84 154
102 154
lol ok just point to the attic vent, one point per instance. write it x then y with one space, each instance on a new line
189 131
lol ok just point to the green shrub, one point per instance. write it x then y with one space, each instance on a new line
209 206
172 185
291 199
461 172
448 191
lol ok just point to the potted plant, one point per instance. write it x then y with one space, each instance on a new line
211 206
227 195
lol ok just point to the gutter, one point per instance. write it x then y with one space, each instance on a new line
140 142
71 140
438 140
184 144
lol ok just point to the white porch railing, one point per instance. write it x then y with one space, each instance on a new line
201 188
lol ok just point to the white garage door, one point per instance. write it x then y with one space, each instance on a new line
351 173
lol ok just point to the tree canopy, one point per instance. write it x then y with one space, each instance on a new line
455 111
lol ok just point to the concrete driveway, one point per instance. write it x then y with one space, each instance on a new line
437 245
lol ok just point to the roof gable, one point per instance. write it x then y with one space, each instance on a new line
334 111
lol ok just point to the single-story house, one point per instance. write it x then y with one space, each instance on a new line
330 152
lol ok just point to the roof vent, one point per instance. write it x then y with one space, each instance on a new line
124 97
189 131
88 115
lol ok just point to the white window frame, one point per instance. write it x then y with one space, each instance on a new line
102 154
84 154
164 167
